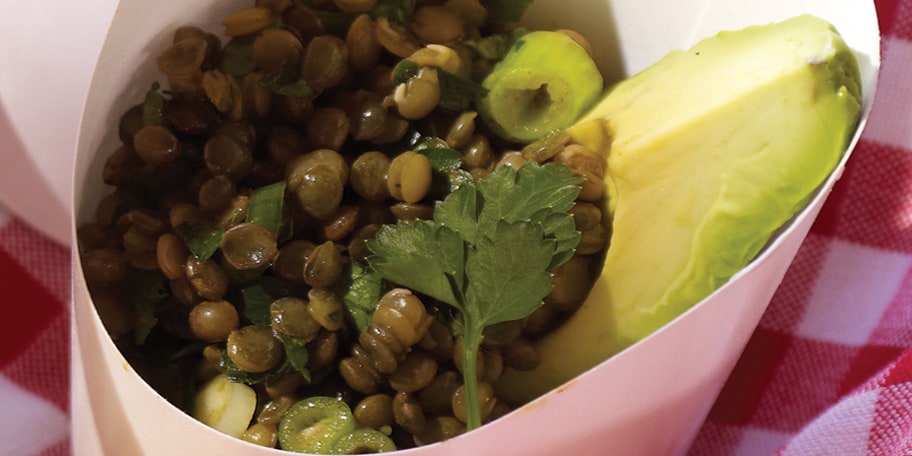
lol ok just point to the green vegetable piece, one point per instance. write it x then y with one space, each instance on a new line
364 441
488 252
153 106
315 424
712 151
267 207
544 83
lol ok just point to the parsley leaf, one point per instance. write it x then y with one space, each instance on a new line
508 273
423 255
488 252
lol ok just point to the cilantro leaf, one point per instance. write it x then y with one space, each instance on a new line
422 255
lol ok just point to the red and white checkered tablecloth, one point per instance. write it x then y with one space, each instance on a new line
828 371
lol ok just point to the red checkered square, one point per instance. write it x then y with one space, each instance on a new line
878 215
868 361
892 430
806 380
29 308
898 24
750 377
43 259
716 439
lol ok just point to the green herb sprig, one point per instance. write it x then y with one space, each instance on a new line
488 252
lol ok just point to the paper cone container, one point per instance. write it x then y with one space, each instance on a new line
626 405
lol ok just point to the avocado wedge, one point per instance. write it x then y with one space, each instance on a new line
710 152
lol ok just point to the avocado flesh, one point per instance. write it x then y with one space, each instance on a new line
710 152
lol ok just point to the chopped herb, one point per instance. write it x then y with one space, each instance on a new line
442 158
488 252
254 304
202 239
296 354
254 299
153 106
147 290
237 56
287 81
360 288
336 22
267 207
446 174
238 375
506 11
397 11
495 47
456 92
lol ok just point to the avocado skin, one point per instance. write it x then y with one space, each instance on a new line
710 152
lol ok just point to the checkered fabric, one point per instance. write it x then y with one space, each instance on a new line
827 372
829 369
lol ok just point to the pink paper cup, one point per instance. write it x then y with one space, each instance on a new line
625 405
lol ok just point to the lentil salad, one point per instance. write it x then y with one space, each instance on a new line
244 208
